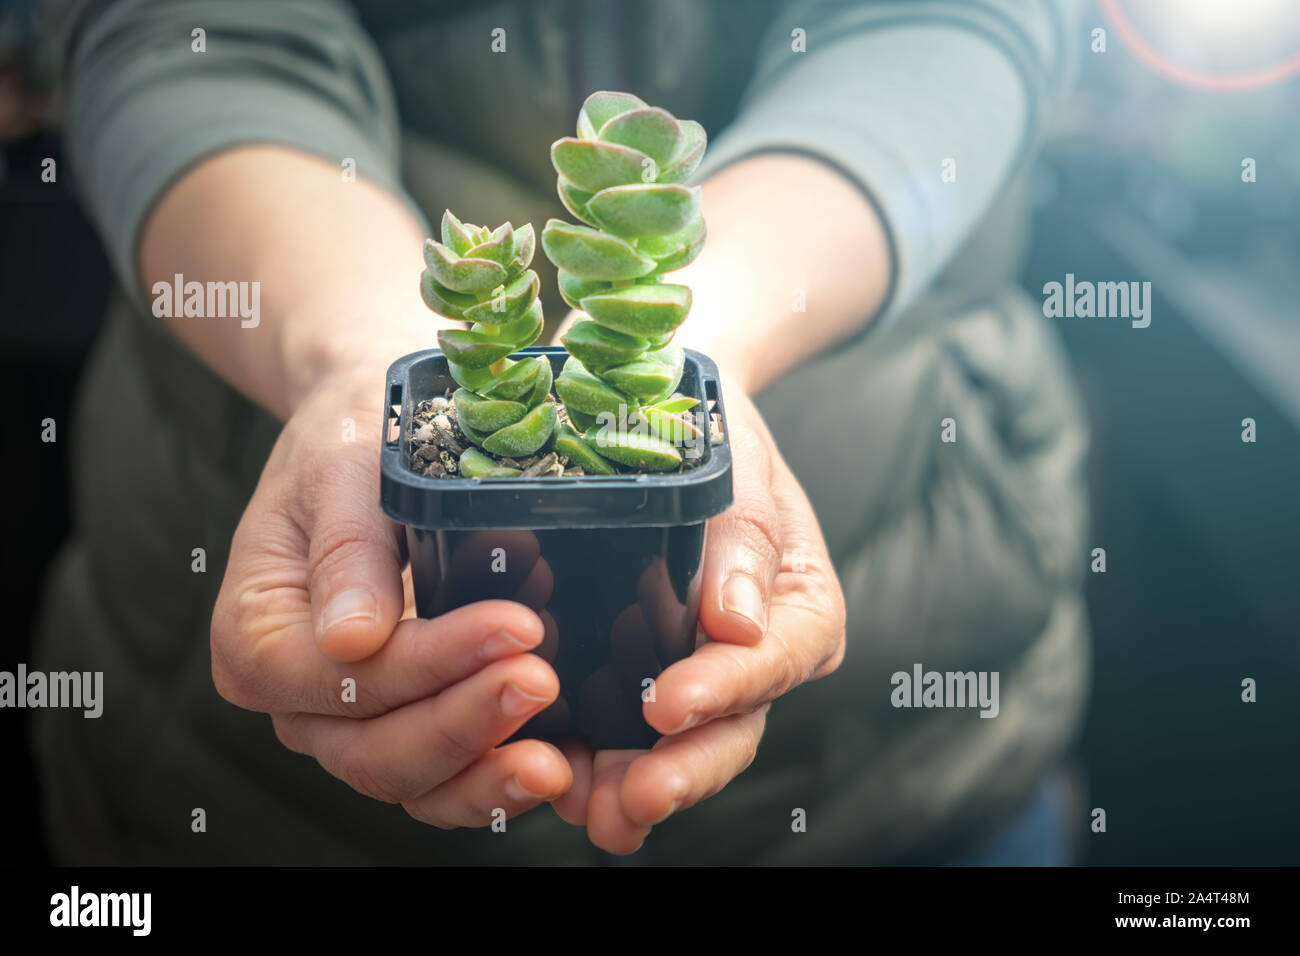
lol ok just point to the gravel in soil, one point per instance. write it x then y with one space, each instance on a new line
436 443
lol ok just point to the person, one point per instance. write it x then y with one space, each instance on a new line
851 288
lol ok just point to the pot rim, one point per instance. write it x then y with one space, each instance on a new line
586 501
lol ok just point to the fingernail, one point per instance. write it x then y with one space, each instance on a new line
502 644
516 703
354 604
692 718
519 793
679 797
740 595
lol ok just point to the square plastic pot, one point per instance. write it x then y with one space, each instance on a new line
611 564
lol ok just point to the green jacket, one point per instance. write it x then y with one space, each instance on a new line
958 556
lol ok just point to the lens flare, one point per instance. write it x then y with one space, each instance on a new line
1198 79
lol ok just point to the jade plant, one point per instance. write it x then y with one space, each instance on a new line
622 177
482 276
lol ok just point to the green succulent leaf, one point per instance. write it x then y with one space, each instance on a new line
581 420
670 355
683 257
513 384
600 107
570 444
456 236
642 380
475 379
640 310
675 250
500 248
648 130
505 303
659 341
689 154
441 299
475 464
542 386
676 405
573 289
650 377
525 436
597 347
591 254
583 392
575 200
460 274
645 209
472 349
477 437
592 165
520 332
525 246
485 414
674 358
671 428
635 449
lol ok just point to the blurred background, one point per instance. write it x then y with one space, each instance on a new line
1142 180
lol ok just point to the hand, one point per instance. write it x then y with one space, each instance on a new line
713 704
772 608
313 594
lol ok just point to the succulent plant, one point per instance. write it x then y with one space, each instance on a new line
622 176
481 275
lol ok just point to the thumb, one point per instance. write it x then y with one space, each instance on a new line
355 562
743 548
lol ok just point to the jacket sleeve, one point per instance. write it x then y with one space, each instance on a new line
929 106
148 96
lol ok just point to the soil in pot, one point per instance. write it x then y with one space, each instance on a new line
436 446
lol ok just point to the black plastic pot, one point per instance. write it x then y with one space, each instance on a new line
611 564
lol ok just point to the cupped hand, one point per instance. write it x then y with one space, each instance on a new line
314 627
773 613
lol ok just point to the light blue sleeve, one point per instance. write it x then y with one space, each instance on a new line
146 99
929 106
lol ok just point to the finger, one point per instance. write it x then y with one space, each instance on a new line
409 751
719 680
608 827
286 674
805 635
263 600
807 582
572 807
511 779
354 559
683 770
742 551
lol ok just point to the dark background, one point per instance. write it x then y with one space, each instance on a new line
1200 529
